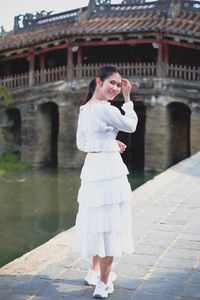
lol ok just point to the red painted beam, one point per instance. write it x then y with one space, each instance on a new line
8 58
122 42
180 44
63 46
101 43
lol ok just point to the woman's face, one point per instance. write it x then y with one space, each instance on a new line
111 86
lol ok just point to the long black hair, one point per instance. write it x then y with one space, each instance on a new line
103 73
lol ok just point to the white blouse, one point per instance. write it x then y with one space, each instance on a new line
99 123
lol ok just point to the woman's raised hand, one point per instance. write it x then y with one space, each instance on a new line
126 89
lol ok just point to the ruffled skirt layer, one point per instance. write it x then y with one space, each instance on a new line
103 223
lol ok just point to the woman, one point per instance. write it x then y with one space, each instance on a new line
103 223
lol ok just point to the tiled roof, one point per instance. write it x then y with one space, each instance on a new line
186 24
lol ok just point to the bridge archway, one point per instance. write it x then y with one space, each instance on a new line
12 130
179 132
48 134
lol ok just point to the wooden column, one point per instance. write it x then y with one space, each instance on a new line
42 63
69 60
79 56
166 54
7 68
79 62
160 55
166 59
31 66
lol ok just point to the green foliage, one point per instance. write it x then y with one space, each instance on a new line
8 135
10 162
6 95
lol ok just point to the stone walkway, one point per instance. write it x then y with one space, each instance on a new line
166 262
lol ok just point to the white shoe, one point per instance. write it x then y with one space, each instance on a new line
92 277
102 290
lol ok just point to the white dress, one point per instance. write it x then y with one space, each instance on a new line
103 222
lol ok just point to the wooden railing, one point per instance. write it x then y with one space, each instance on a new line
15 81
50 75
129 70
183 72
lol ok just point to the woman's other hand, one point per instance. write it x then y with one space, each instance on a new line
126 89
122 146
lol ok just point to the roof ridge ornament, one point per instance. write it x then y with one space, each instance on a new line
132 2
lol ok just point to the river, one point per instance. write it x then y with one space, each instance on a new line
38 204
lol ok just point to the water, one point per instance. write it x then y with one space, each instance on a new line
38 204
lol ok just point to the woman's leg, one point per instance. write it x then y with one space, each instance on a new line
105 264
95 263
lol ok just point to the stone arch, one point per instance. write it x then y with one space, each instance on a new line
48 123
12 130
179 132
134 154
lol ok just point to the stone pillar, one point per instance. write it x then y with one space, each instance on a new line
2 143
194 131
156 137
29 135
31 67
67 151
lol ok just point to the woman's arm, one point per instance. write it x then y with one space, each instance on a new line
80 136
112 116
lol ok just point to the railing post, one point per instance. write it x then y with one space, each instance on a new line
31 67
160 69
69 60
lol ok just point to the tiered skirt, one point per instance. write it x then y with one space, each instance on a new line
103 222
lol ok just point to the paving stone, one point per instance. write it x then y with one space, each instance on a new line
146 224
63 289
182 253
121 295
15 296
183 244
158 238
194 226
72 275
51 272
9 282
176 263
173 220
149 250
139 259
69 261
125 282
32 285
192 290
195 278
190 298
190 237
138 233
170 274
162 226
140 296
83 264
163 287
131 270
56 297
